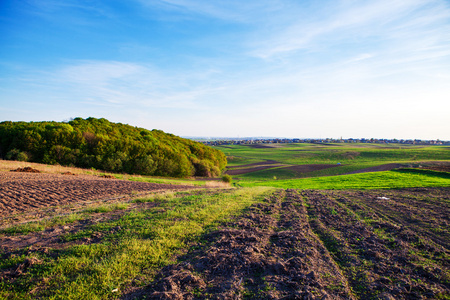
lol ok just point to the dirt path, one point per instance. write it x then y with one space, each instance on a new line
21 192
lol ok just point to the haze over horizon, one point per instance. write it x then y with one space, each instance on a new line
281 68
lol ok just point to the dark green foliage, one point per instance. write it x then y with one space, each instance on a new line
115 147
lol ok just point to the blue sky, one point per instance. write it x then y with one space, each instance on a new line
378 68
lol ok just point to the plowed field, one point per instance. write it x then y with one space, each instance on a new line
322 245
20 192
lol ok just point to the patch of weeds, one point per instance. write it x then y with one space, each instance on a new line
107 208
63 220
156 198
26 228
248 294
23 228
269 287
77 235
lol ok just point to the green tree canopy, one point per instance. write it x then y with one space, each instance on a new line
108 146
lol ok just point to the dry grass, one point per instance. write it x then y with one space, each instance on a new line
217 184
8 165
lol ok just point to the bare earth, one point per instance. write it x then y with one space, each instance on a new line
21 192
244 169
377 244
386 167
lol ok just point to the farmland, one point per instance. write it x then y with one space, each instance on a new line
287 229
287 161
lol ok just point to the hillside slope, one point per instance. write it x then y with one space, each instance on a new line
100 144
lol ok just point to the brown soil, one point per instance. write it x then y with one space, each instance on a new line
108 176
249 170
438 168
22 192
390 243
310 168
265 166
262 146
269 253
386 167
321 245
68 173
263 163
26 170
50 238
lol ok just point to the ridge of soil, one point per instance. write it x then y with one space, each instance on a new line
310 168
244 169
380 244
23 192
385 167
26 170
250 170
268 253
267 162
376 244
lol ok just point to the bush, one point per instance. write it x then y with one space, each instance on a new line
227 178
16 154
12 155
22 156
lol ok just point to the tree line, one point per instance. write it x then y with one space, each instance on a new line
98 143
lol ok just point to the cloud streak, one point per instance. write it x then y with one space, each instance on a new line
382 21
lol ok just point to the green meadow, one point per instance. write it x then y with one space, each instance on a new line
342 159
347 154
394 179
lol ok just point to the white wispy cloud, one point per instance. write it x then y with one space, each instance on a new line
349 21
122 84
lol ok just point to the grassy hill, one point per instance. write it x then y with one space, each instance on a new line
115 147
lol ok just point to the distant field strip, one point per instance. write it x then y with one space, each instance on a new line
376 180
341 159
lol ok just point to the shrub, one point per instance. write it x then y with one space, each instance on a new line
16 154
12 155
227 178
22 156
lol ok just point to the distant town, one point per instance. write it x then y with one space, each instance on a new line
250 141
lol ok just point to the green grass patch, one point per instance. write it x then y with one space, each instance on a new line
107 208
37 226
148 240
394 179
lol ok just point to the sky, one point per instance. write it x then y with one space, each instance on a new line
228 68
